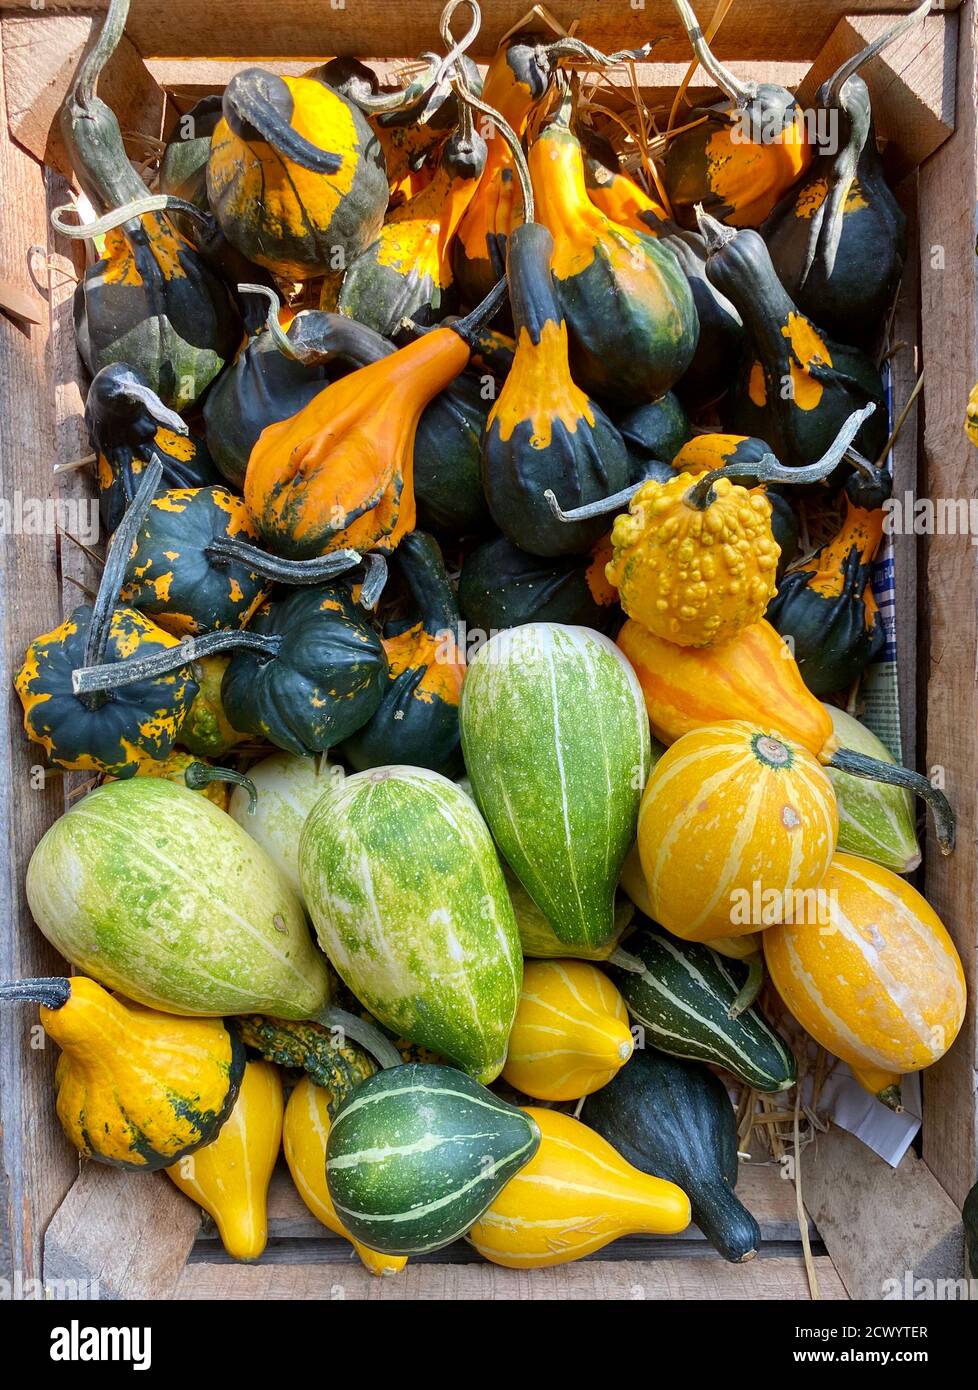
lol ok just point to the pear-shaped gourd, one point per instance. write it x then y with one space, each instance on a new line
876 820
229 1177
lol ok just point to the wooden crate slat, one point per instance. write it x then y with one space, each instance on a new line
774 1278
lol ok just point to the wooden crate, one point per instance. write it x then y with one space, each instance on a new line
135 1233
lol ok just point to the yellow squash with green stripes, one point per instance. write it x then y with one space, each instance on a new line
571 1033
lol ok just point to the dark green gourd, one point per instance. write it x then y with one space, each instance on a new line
502 586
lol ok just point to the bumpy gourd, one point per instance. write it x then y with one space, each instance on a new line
135 1088
229 1176
188 771
570 1034
336 1067
753 811
206 729
573 1197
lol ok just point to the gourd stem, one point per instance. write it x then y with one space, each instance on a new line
751 987
715 234
743 93
116 561
370 1038
333 336
138 207
251 95
279 336
892 1098
88 679
615 503
297 572
509 135
626 961
52 991
570 47
875 770
90 67
829 92
374 580
470 327
437 71
200 775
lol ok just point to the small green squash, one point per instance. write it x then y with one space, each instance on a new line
653 433
502 586
876 821
288 788
418 1153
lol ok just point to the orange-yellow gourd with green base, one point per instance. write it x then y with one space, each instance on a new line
735 823
571 1032
576 1195
229 1177
878 982
307 1122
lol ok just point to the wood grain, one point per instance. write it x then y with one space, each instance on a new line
38 1165
949 317
879 1223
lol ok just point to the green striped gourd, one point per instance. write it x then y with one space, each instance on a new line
556 743
402 881
681 992
418 1153
156 892
876 821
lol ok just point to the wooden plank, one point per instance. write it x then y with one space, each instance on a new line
40 55
776 1278
119 1235
949 316
293 28
912 82
880 1224
37 1165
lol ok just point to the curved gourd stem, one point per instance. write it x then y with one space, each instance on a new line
200 775
90 67
138 207
251 96
875 770
626 961
715 234
51 991
374 580
751 987
279 335
371 1039
116 561
86 680
296 572
570 47
460 84
743 93
338 336
437 73
829 91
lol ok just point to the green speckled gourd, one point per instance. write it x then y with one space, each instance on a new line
876 820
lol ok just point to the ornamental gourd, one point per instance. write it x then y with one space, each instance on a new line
620 197
296 177
206 730
747 153
416 722
150 300
571 1032
879 984
501 586
229 1176
575 1196
755 677
288 788
631 314
335 1067
187 771
127 425
753 811
543 431
135 1088
304 1138
838 241
827 608
876 821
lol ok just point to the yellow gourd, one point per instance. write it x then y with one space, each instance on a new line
736 828
574 1196
879 983
632 882
571 1032
229 1177
306 1130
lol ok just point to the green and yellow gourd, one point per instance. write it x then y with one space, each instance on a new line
335 1066
632 319
615 193
416 722
876 821
135 1088
556 743
206 730
187 771
543 431
827 610
746 155
295 177
229 1176
288 788
150 300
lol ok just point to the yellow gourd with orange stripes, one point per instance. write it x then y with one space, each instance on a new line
736 829
571 1033
306 1130
877 981
229 1177
574 1196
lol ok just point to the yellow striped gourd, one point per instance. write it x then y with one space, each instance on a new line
573 1197
736 830
571 1033
879 983
307 1122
